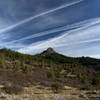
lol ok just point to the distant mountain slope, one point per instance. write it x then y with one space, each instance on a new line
52 55
85 61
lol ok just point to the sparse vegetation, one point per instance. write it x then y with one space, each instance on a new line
57 87
14 89
51 74
95 82
26 69
82 78
52 67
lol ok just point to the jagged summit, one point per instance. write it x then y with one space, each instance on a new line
48 51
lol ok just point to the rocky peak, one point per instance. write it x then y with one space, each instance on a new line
48 51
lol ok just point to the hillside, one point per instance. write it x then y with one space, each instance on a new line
50 55
48 68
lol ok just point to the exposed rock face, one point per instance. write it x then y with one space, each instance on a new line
48 51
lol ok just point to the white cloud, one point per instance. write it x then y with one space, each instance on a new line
38 15
83 24
75 41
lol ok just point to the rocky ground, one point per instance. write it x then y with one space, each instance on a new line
45 93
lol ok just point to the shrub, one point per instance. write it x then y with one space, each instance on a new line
26 69
57 74
14 89
51 74
2 61
16 66
57 87
95 82
42 64
82 78
88 87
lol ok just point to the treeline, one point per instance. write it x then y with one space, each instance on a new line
54 58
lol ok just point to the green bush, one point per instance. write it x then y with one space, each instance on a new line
95 82
51 74
57 87
26 69
2 62
57 74
16 66
82 78
42 64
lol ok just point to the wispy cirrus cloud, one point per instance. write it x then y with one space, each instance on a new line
82 24
38 15
86 32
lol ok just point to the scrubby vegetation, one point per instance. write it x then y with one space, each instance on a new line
57 87
14 89
51 67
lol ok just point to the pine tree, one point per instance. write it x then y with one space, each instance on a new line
3 63
42 64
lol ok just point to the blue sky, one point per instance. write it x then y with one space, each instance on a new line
71 27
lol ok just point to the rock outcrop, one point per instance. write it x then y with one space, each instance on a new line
48 51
